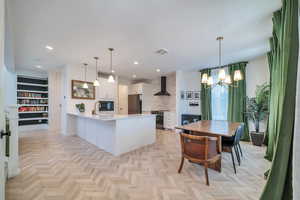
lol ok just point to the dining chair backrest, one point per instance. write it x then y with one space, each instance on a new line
199 147
238 133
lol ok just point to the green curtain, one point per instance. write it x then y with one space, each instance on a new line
282 108
274 65
270 61
237 99
206 98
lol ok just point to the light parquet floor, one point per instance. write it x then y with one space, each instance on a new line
55 167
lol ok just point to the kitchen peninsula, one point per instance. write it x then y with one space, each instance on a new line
116 134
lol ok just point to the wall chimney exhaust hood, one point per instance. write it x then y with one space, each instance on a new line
163 87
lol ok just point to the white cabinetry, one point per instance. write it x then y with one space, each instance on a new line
106 90
136 88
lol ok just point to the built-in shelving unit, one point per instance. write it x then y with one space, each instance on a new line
32 97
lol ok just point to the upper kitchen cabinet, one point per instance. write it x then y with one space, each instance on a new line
106 90
136 88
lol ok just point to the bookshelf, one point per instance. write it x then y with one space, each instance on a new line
32 100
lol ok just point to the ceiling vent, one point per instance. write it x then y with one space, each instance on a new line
162 51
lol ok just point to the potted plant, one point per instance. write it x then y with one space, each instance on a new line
80 107
257 111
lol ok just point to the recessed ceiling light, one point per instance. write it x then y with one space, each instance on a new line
38 66
112 71
49 47
157 70
133 76
136 62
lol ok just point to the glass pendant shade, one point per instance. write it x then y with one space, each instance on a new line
85 85
96 83
111 79
204 78
222 75
210 81
237 75
228 79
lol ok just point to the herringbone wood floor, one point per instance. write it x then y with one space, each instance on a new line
55 167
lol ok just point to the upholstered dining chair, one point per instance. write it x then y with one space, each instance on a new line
202 150
233 143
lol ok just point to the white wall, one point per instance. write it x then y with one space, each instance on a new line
257 73
9 53
10 85
187 81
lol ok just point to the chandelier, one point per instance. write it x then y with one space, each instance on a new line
223 78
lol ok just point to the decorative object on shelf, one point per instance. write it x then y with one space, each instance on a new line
182 95
189 95
85 85
258 110
80 107
111 78
79 92
96 82
223 78
197 95
193 103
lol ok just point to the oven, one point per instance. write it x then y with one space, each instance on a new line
159 119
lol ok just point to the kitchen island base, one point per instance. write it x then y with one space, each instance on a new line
115 134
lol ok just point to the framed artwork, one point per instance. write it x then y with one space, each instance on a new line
78 92
182 95
197 95
189 95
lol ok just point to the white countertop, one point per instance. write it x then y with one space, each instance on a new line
109 117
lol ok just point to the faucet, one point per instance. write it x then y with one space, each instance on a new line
94 112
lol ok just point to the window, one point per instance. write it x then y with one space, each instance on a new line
219 99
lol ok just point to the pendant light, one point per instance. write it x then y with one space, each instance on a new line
96 82
111 78
85 85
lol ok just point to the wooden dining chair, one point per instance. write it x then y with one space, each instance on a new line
201 149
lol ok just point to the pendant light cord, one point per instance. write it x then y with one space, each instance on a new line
220 46
85 68
220 38
111 50
96 58
111 61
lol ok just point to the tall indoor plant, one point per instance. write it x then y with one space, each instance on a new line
258 110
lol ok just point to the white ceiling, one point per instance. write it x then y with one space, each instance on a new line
81 29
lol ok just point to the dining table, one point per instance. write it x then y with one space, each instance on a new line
212 128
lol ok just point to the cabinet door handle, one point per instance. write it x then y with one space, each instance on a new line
3 133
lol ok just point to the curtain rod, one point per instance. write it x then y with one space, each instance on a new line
223 66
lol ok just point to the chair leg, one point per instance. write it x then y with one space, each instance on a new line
240 149
237 154
233 161
206 174
181 164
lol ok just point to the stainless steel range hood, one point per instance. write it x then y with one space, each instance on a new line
163 87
